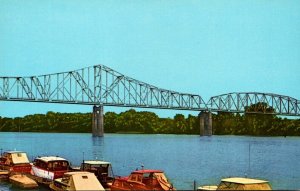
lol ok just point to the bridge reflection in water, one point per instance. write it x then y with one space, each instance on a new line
102 86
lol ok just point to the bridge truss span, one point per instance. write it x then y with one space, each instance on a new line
237 102
95 85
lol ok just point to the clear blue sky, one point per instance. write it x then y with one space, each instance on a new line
202 47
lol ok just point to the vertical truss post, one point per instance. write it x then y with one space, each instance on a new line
6 88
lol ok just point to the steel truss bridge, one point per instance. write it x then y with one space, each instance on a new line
101 85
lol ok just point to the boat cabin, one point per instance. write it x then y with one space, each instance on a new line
143 180
102 170
15 162
77 181
50 167
238 183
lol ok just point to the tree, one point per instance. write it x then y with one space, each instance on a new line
180 124
258 118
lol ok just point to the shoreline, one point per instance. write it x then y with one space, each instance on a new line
141 133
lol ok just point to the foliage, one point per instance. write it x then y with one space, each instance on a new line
258 120
131 121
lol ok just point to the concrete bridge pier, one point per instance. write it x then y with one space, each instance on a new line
205 118
97 123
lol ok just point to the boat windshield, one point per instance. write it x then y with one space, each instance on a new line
65 179
98 168
136 177
237 186
228 185
147 175
2 160
58 165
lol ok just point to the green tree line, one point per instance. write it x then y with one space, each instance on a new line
132 121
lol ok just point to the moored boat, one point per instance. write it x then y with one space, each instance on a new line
143 180
23 181
77 181
4 174
101 169
15 162
239 183
46 169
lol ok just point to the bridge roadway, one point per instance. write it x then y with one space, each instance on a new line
102 86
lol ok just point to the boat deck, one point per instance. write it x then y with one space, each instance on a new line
4 174
23 181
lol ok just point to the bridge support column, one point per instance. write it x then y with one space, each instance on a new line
205 118
97 123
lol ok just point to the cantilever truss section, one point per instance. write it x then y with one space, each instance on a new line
95 85
237 102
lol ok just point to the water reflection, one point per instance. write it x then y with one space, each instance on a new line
98 148
184 158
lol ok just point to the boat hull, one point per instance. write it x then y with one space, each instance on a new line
23 181
53 186
47 175
4 174
42 173
26 168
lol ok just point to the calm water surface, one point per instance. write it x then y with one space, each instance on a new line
184 158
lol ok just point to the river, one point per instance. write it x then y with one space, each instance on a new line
184 158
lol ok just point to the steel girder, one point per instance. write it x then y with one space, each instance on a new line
96 85
101 85
237 101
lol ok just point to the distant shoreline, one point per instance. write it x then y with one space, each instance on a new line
140 133
133 122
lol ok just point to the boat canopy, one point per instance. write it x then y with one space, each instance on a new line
96 162
84 181
147 171
12 152
162 180
51 158
240 180
17 157
208 187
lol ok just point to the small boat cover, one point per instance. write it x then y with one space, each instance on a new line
162 180
86 181
19 158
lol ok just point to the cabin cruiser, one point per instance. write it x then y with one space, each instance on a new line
239 183
15 162
77 181
101 169
143 180
48 168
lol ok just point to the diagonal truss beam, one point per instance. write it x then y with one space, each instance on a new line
237 102
96 85
101 85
